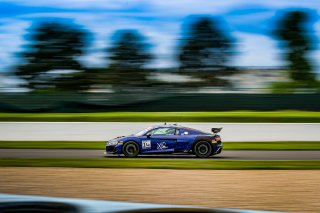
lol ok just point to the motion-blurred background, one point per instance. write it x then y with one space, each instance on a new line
84 56
251 67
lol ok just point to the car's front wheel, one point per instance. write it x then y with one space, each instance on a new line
131 149
202 149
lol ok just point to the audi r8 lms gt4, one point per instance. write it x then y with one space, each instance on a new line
166 139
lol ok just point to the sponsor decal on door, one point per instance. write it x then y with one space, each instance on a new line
162 145
146 144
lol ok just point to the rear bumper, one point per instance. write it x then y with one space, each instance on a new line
218 148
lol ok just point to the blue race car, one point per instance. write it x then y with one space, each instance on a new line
166 139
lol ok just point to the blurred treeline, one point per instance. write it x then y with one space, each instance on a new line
50 62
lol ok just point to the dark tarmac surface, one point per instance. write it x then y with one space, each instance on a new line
225 155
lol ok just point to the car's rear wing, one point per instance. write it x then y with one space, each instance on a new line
216 130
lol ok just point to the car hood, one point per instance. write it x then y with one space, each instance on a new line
119 138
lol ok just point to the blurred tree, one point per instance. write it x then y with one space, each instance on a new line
291 30
205 49
128 57
50 59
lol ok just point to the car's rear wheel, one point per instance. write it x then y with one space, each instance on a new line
131 149
202 149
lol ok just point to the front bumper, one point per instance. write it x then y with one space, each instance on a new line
114 149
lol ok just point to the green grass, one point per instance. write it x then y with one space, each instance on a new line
230 116
303 145
159 164
52 145
100 145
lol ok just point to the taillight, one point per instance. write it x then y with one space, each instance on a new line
217 138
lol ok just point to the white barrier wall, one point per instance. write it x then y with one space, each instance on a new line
100 131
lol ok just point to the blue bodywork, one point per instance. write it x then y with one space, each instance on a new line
180 139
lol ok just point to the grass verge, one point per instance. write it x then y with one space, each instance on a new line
52 145
230 116
100 145
301 145
160 164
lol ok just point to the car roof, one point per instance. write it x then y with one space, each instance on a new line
175 126
179 126
168 125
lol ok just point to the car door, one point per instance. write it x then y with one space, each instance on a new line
184 139
163 140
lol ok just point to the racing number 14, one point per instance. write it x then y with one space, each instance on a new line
146 144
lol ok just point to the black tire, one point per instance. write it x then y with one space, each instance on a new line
131 149
202 149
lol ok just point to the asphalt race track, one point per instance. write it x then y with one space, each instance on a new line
101 131
225 155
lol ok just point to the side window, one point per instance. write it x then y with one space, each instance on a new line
164 131
177 131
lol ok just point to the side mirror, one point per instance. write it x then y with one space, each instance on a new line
148 134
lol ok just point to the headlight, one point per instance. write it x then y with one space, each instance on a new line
112 143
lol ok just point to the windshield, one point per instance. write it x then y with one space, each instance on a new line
142 132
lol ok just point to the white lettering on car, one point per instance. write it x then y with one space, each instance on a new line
162 145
